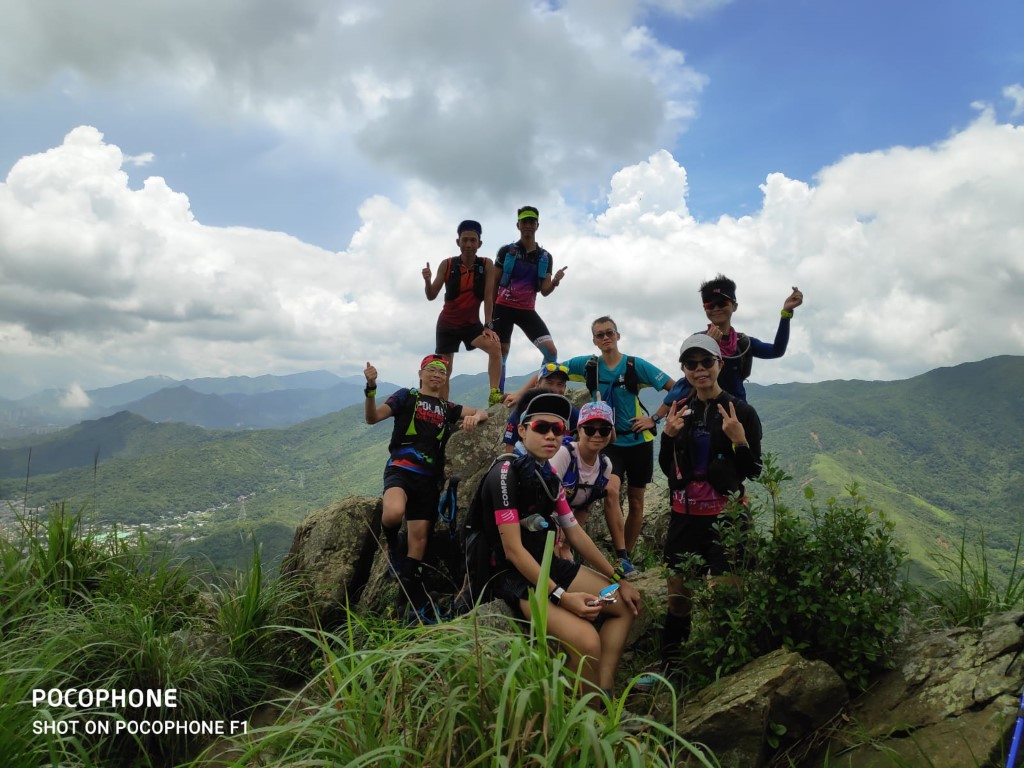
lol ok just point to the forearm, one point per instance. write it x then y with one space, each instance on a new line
525 563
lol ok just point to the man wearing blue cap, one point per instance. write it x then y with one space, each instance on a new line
465 281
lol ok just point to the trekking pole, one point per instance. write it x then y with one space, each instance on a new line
1011 759
1015 742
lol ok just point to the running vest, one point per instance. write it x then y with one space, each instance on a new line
571 478
404 434
514 254
453 283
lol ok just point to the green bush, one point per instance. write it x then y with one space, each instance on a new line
826 583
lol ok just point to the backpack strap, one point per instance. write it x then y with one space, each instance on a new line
452 282
571 477
480 277
746 358
511 256
543 264
590 374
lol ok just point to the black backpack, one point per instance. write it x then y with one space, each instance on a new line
480 544
630 382
453 283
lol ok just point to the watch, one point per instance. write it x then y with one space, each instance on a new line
556 595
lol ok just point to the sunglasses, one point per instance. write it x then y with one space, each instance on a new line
716 304
590 430
555 368
604 334
556 428
704 362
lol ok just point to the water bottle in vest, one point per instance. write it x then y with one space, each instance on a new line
535 522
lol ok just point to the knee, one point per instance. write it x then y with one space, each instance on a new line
589 645
392 514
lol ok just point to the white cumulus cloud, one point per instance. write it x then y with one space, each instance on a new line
909 258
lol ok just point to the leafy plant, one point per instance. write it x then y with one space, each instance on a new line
826 583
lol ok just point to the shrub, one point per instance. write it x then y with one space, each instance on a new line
827 584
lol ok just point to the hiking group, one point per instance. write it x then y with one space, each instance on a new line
556 461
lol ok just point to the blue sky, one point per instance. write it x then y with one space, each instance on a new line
304 159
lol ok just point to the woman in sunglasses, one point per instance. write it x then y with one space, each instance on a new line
513 493
710 445
587 475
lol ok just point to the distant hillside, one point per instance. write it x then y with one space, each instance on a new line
937 453
124 435
248 402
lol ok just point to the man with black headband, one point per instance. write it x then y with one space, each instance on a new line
415 470
521 270
466 281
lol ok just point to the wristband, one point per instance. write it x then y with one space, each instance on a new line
370 391
787 314
735 446
556 595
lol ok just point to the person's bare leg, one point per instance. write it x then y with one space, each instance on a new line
635 516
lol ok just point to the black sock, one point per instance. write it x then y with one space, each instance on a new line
391 537
411 580
622 554
675 632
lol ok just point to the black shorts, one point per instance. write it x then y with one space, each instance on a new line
447 340
512 586
506 318
697 534
422 492
634 464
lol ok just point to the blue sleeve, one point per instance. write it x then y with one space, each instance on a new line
765 351
577 367
650 375
511 433
680 390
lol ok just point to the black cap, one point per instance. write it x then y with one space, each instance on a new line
470 225
549 403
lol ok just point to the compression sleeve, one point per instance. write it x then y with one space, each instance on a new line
563 512
766 351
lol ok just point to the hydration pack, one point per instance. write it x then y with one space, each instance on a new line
514 254
453 283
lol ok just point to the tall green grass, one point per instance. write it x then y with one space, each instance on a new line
98 612
456 694
464 693
967 590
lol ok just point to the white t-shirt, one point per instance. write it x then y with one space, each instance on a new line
586 474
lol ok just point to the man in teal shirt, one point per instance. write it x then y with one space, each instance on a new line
618 380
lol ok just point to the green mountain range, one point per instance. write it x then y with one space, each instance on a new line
939 453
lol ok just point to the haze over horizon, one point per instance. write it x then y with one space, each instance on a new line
251 188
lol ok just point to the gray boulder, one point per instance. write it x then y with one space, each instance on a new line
949 703
779 693
332 553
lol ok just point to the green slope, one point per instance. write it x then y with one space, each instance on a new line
938 453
